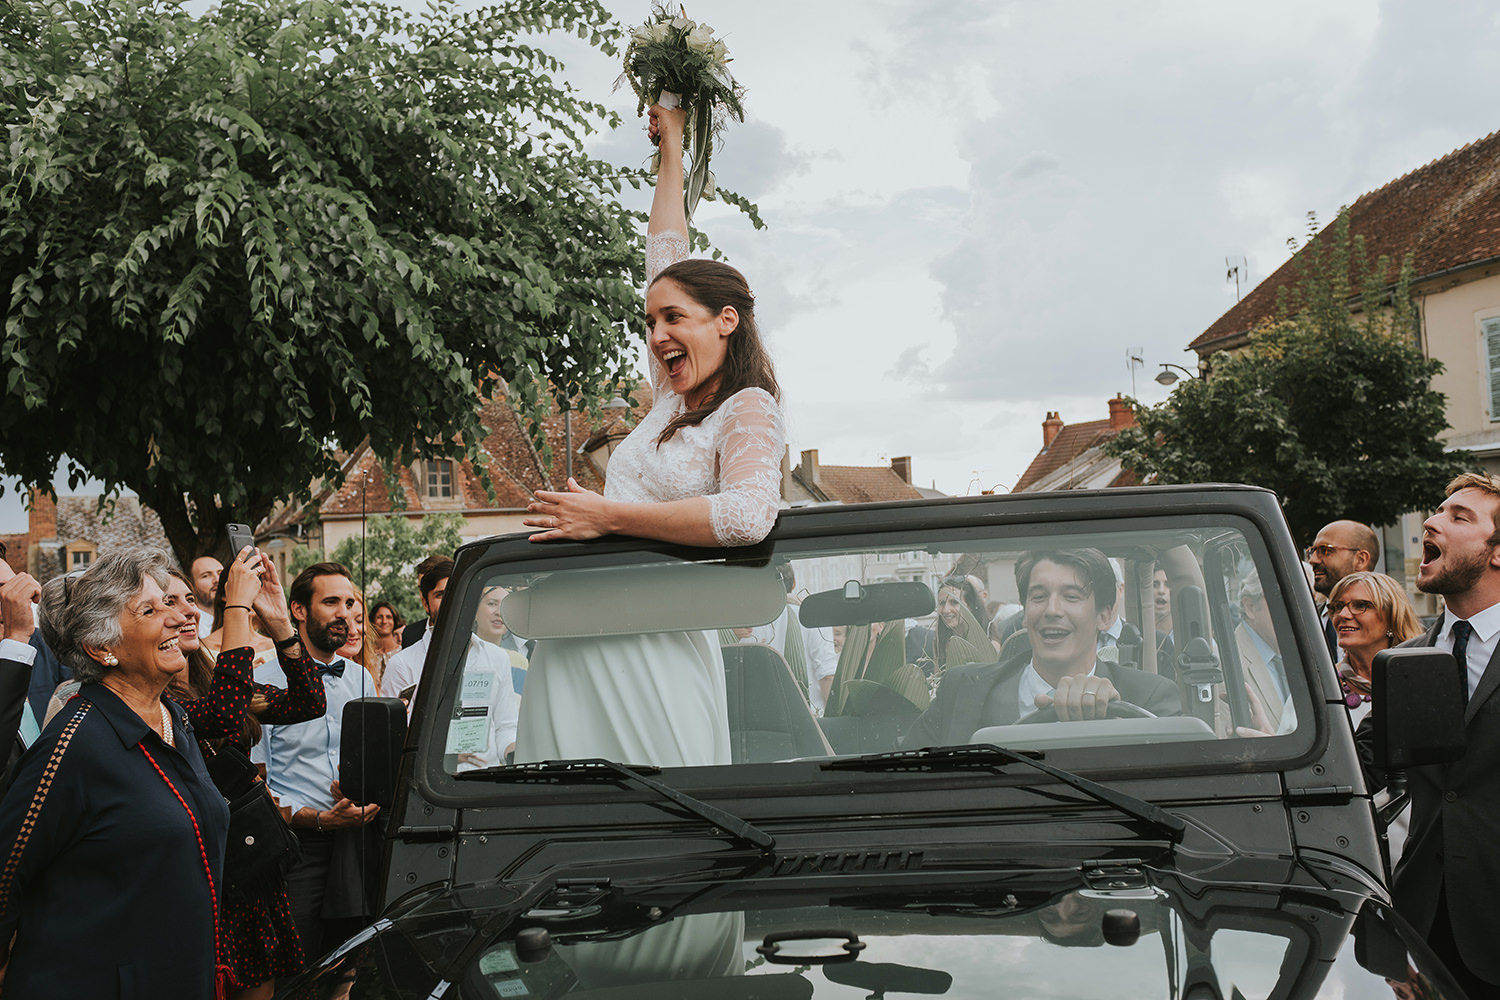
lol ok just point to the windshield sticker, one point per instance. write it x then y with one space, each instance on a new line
477 687
470 735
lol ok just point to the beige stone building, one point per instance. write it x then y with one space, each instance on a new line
1447 216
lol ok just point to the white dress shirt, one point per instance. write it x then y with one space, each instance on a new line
1481 644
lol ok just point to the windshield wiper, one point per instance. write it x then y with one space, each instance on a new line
599 769
988 755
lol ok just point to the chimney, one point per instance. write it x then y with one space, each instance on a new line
1050 427
786 471
41 520
1121 415
810 466
902 467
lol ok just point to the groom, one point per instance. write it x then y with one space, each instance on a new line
1069 596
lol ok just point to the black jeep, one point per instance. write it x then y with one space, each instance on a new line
757 837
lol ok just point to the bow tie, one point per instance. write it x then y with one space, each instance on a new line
336 668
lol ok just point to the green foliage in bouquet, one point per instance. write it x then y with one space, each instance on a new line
875 679
675 54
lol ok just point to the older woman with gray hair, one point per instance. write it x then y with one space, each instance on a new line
112 831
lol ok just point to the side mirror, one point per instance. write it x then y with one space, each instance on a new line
1418 708
374 730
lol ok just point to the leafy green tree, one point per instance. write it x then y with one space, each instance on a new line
1333 410
382 562
232 243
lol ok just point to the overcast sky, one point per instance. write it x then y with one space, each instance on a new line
976 209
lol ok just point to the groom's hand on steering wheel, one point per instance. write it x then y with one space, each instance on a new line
576 514
1080 698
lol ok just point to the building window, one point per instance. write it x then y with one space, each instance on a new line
79 555
439 480
1490 331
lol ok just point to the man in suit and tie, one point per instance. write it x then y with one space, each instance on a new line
1448 878
1341 548
1068 598
1260 651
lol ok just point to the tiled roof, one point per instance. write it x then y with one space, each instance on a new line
515 469
1445 214
1071 442
863 484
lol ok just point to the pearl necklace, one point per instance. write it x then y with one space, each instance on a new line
166 724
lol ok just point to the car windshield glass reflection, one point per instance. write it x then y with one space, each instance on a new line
1149 640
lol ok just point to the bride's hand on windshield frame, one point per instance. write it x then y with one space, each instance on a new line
576 514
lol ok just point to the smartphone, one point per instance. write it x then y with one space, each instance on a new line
240 536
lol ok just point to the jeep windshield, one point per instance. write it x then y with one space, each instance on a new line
1167 640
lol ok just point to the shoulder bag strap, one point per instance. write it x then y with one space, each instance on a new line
28 824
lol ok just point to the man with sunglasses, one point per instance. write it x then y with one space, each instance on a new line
1341 548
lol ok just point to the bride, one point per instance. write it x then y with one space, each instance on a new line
703 468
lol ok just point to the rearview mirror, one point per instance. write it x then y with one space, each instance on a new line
866 603
1418 708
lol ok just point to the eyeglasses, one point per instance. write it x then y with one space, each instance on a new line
68 579
1355 607
1325 550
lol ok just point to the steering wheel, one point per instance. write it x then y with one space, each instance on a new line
1117 709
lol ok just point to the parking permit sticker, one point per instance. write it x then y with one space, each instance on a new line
469 735
477 687
499 960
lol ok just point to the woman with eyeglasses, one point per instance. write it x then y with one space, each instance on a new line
1370 612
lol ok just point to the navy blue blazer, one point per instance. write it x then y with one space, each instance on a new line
113 866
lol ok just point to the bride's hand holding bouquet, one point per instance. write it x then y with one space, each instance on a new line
673 62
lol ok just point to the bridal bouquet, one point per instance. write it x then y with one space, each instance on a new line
678 62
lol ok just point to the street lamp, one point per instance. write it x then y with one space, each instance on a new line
616 406
1168 377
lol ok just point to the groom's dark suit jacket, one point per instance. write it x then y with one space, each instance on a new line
964 696
1454 843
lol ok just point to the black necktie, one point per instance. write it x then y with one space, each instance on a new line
1461 632
1331 637
336 668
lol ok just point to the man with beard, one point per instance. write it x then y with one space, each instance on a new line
301 763
1341 548
1449 873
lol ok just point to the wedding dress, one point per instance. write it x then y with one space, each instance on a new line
660 698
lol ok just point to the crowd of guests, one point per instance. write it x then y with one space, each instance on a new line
173 718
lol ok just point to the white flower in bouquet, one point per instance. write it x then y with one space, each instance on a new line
673 54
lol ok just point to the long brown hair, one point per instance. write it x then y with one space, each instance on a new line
747 364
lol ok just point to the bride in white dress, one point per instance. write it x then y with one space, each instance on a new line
703 468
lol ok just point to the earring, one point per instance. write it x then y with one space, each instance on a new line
110 660
1389 634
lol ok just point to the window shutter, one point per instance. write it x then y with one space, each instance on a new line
1490 330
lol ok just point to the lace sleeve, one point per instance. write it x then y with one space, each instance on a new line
750 442
662 251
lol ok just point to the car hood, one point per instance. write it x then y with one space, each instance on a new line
1115 930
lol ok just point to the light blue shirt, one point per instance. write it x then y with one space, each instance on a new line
1272 660
302 760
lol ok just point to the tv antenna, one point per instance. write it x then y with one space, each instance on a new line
1134 359
1237 270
